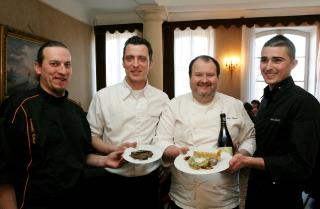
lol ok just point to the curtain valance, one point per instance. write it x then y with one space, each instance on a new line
249 22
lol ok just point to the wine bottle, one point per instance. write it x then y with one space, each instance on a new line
224 139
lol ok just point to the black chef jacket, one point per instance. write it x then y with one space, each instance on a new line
287 137
44 147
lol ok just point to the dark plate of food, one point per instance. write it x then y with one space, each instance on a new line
142 154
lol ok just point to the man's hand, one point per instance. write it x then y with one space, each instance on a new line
171 152
242 159
114 159
236 163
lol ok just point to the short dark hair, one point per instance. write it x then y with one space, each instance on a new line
281 40
137 40
247 106
205 58
40 55
257 102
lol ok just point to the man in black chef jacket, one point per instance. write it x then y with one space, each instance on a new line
287 134
46 140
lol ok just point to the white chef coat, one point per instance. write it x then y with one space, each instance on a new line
118 114
185 122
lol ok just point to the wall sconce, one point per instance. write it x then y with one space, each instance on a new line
232 63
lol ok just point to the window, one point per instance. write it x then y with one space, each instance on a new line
115 73
189 44
303 39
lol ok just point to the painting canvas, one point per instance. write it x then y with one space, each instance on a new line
18 54
21 55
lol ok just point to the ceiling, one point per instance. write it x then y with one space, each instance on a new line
106 12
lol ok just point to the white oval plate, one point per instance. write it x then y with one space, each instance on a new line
157 154
182 165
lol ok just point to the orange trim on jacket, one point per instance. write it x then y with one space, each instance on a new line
28 137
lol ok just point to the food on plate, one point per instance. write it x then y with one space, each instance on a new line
204 160
141 154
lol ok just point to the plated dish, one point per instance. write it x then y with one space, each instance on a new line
142 154
182 163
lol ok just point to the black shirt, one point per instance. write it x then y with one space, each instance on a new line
46 142
287 137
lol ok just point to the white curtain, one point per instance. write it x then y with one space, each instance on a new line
247 72
189 44
115 73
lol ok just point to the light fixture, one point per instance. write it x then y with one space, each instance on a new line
231 63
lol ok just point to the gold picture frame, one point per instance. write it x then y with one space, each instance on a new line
18 52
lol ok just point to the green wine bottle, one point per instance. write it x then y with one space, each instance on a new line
224 139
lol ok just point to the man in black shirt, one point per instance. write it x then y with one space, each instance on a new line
46 140
287 134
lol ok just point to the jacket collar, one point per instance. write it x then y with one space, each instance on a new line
277 89
126 90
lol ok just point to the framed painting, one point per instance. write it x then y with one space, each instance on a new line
18 54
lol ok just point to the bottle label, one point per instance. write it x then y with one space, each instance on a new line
227 150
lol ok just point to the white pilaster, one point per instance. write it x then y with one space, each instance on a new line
153 17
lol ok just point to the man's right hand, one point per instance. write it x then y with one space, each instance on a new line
114 159
172 151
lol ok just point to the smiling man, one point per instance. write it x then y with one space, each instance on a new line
55 72
287 133
193 120
45 140
287 127
123 115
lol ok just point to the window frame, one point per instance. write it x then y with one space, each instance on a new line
192 36
100 47
305 31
